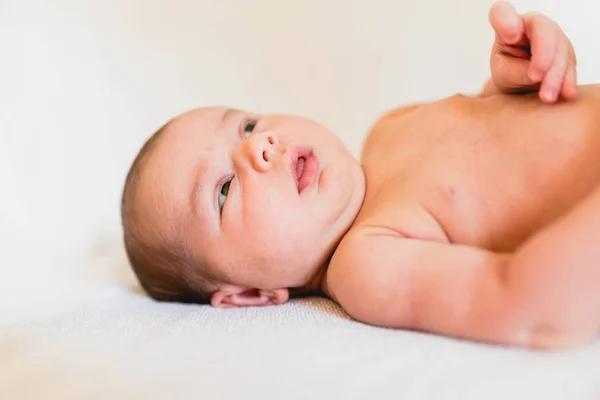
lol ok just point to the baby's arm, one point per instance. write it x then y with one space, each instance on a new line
546 294
400 282
531 53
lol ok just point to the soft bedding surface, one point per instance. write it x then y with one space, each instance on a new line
124 345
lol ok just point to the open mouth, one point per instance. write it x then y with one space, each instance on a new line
304 168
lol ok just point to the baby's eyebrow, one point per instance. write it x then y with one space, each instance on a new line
228 114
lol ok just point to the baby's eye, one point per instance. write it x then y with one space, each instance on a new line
223 193
249 128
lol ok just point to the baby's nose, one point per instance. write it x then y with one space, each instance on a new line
264 147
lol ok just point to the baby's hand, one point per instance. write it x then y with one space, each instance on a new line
531 53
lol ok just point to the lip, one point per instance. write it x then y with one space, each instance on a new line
305 178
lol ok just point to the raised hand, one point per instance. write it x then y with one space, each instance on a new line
531 53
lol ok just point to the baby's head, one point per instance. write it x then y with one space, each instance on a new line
236 209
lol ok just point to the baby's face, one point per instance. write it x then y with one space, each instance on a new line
263 199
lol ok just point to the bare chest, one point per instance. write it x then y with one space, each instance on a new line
486 173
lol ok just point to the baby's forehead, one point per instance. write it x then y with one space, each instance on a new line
205 117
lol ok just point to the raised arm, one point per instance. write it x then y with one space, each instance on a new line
546 294
531 53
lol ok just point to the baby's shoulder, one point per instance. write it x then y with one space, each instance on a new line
357 275
356 264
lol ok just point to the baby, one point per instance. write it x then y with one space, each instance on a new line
476 217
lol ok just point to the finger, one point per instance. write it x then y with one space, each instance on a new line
553 81
543 34
506 22
569 87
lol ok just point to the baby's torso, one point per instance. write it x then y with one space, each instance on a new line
481 172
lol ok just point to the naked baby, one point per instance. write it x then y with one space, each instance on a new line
475 217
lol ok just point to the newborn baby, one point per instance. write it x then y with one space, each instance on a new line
476 217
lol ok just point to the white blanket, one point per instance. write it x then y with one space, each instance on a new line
124 345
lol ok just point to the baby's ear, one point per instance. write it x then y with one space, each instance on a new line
234 296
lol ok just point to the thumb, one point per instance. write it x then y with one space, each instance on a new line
510 73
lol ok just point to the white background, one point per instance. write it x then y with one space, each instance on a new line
83 84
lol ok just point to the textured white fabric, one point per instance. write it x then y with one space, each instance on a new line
124 345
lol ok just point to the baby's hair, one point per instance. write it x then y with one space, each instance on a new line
162 264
